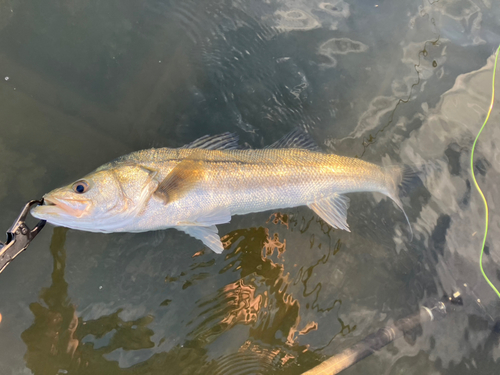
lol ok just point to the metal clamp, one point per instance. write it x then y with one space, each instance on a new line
19 236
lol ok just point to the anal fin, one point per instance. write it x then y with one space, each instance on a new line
208 235
333 210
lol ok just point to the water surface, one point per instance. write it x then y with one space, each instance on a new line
83 82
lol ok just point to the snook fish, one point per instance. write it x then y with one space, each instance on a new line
202 184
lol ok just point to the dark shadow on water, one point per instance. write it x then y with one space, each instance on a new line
56 341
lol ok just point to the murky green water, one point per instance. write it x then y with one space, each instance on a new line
83 82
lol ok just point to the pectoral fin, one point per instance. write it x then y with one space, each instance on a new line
333 210
180 180
208 235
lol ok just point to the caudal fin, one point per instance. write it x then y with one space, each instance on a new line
399 181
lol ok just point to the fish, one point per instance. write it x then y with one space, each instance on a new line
203 184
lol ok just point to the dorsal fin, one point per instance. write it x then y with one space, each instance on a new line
224 141
296 139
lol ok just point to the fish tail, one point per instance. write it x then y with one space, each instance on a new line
399 179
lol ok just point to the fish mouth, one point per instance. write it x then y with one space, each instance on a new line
55 207
48 202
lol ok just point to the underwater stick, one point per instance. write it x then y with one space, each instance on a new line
383 337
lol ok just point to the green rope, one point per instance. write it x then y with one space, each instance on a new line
474 178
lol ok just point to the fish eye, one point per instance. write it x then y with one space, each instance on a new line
80 187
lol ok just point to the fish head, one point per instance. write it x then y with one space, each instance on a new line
103 201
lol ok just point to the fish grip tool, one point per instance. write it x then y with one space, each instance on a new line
19 236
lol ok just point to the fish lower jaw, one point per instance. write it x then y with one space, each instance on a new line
60 221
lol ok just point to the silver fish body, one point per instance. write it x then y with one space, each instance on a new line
195 188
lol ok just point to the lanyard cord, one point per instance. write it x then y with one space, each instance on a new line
474 178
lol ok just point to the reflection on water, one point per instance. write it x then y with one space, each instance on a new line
51 339
258 299
401 82
263 297
60 342
56 340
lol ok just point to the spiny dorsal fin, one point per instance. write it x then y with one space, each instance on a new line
333 210
224 141
296 139
181 179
